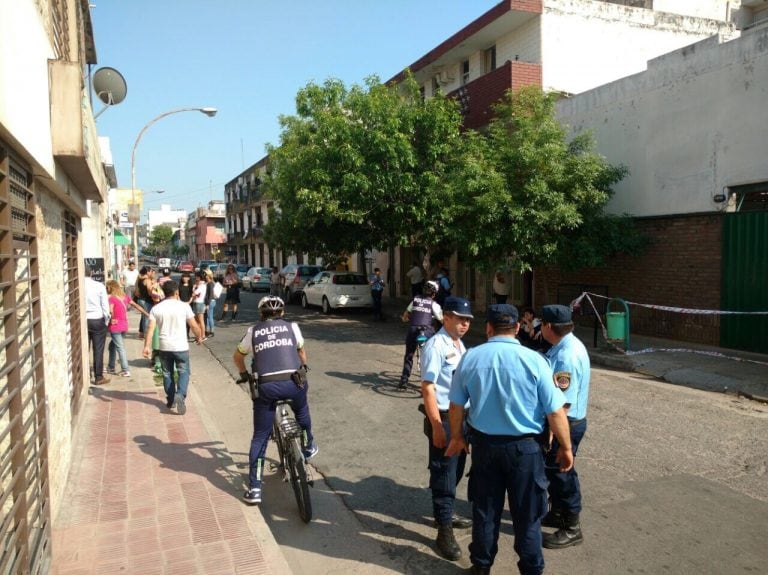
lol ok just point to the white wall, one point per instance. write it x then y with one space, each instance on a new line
587 43
694 123
715 9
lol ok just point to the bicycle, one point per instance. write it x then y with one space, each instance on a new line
421 339
288 436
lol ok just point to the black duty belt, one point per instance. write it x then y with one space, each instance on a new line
482 435
443 414
575 422
275 377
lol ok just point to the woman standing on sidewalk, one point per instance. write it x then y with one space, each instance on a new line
198 301
118 325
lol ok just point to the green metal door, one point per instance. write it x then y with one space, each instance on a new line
745 281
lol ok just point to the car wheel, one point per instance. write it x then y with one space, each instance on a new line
326 306
304 302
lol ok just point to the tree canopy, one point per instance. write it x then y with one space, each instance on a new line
375 166
160 239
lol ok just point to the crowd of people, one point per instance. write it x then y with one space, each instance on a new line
518 402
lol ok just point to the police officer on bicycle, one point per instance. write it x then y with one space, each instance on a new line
279 369
419 313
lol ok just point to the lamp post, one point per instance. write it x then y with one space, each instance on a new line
210 112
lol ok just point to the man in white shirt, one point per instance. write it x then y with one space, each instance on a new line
417 278
129 278
97 316
171 317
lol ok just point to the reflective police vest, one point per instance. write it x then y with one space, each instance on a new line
274 347
421 311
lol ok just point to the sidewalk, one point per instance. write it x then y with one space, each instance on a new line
149 492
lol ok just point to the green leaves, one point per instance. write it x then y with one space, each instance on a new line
372 166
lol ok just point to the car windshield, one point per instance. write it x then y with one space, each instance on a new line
350 280
241 268
308 270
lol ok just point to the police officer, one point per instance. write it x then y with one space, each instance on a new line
570 363
511 392
439 358
419 314
279 358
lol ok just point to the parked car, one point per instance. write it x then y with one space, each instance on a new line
257 279
186 267
202 264
218 271
332 290
241 270
295 276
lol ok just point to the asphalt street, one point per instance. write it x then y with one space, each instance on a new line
675 480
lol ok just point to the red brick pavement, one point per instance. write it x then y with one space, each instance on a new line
149 492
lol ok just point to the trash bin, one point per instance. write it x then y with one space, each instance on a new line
616 322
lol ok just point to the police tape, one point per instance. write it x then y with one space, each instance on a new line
586 295
575 303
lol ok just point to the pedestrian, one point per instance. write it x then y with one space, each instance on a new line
129 277
166 276
530 332
377 291
170 317
143 295
210 304
232 284
500 287
198 300
118 326
274 282
439 358
420 314
279 369
511 394
97 318
570 364
185 291
444 285
416 276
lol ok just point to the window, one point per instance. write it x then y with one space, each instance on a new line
465 72
489 59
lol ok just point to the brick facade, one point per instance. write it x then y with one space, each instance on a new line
681 268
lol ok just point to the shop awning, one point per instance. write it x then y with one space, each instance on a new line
120 239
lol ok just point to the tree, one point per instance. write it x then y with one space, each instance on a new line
361 168
532 198
160 239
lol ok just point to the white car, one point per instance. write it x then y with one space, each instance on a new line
332 290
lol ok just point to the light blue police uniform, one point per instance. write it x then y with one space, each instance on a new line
570 364
511 392
571 368
497 383
439 359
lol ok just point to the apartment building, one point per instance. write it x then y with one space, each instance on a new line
691 128
53 186
205 232
568 46
247 214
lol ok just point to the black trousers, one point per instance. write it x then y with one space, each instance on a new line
97 338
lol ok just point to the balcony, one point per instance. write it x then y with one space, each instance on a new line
74 140
478 96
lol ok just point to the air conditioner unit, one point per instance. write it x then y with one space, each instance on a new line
443 77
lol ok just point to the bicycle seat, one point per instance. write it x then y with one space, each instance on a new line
421 339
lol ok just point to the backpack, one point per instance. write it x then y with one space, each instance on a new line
217 290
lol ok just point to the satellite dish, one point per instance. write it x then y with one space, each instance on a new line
110 86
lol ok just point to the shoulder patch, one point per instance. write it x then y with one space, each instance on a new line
563 379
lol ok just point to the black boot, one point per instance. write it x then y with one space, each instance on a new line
553 519
568 535
234 315
446 543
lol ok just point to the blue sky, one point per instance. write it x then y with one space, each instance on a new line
248 58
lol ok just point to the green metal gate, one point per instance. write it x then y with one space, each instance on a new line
745 281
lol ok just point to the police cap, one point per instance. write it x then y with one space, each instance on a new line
502 315
556 314
458 306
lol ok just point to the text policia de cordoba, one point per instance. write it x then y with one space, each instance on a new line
271 333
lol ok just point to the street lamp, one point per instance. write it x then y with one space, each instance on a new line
210 112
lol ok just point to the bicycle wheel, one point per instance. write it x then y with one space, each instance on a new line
299 481
417 360
280 441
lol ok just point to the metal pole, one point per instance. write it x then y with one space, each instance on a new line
210 112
